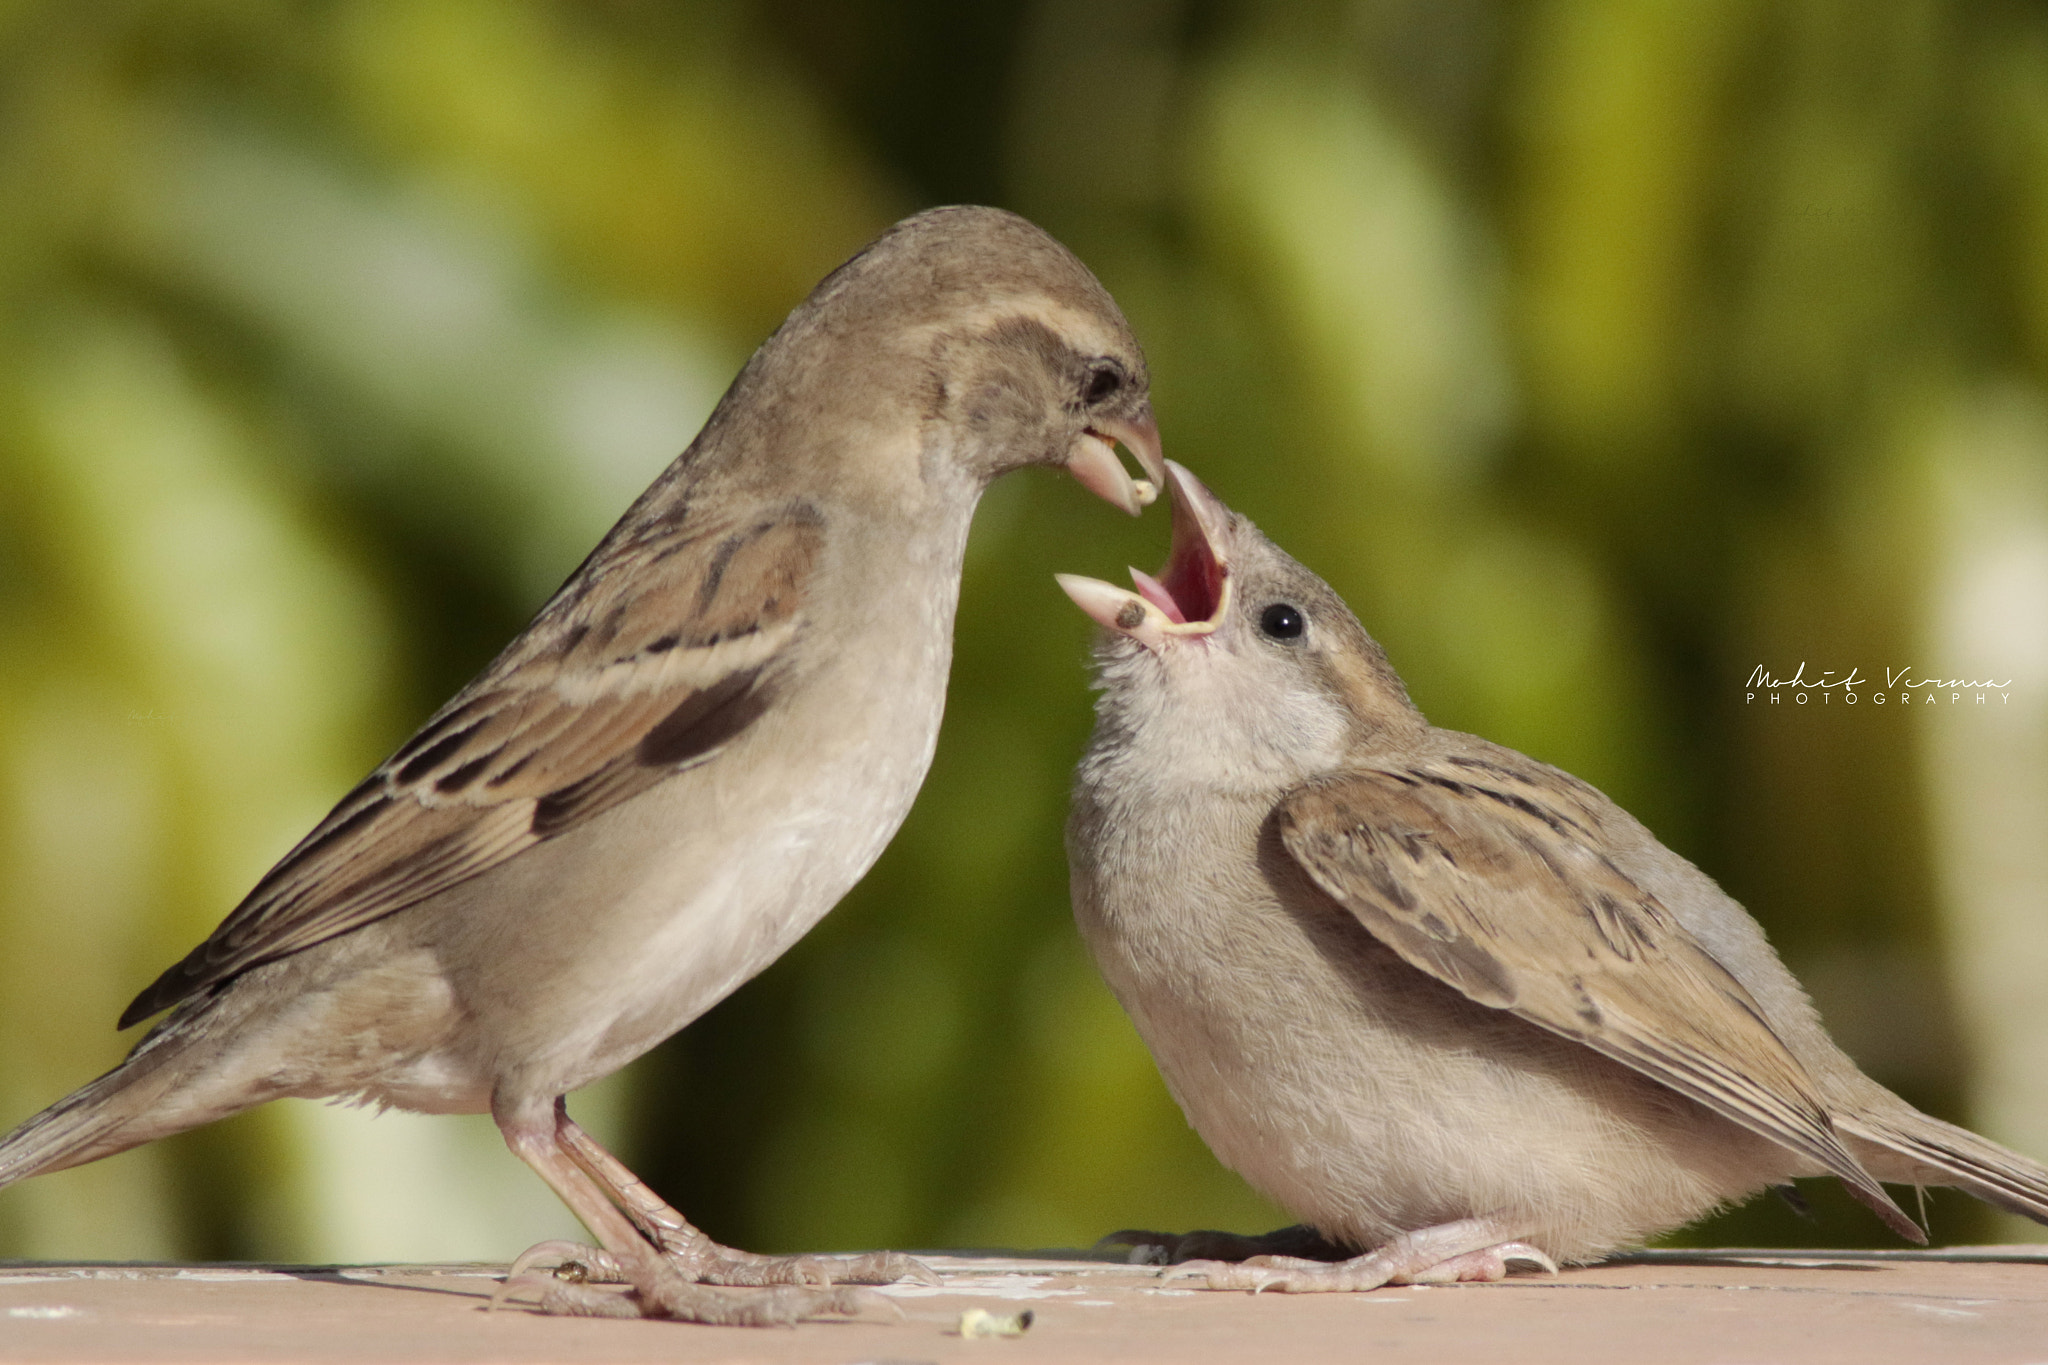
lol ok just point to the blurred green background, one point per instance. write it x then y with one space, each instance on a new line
1600 351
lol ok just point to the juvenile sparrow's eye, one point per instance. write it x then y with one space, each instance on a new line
1282 621
1102 381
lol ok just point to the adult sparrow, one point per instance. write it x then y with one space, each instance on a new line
1450 1006
698 745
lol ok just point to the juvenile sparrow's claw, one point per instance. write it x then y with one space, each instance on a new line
1479 1267
1262 1273
1513 1254
1288 1275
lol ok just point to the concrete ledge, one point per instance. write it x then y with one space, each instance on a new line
1961 1305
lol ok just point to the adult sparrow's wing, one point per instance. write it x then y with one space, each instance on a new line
635 672
1493 880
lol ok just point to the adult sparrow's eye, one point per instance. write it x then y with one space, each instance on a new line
1283 621
1102 381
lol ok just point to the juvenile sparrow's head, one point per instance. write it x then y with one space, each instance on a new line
976 331
1235 658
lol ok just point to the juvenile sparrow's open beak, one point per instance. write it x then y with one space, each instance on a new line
1191 594
1094 463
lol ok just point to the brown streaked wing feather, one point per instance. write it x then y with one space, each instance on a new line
2013 1182
1480 880
617 686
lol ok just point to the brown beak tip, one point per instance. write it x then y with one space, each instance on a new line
1151 452
1193 500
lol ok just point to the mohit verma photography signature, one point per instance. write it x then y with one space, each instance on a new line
1902 687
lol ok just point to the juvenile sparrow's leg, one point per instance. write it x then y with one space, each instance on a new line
1300 1241
1470 1249
659 1289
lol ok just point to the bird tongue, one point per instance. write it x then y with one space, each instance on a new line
1155 592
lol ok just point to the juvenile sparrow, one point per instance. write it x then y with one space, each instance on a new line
699 744
1448 1005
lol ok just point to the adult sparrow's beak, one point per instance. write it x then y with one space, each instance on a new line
1190 595
1093 460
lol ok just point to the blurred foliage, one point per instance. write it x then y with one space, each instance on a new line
1599 351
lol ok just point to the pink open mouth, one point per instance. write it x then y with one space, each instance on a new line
1190 587
1189 596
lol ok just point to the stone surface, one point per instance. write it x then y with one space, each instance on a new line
1979 1304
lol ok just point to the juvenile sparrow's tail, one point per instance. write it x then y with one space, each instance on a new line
1906 1146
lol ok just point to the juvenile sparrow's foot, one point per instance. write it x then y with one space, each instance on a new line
1170 1248
1439 1255
1481 1267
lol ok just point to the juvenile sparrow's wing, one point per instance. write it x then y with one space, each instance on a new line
1493 881
632 675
